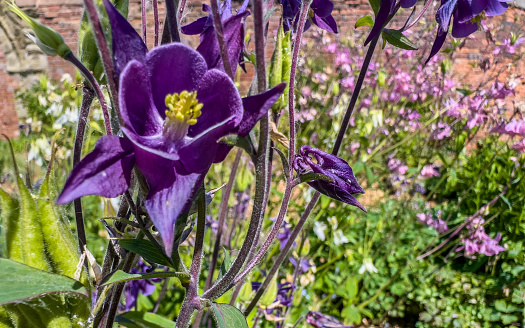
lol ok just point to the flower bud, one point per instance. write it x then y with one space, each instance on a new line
47 39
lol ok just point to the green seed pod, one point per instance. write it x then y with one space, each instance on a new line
10 216
47 39
246 292
59 240
31 230
280 65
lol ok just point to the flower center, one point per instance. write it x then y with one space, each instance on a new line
183 111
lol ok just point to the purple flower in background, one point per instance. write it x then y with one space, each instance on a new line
429 171
477 240
174 111
343 184
319 320
320 14
462 14
396 166
233 29
519 146
136 287
428 219
284 295
304 264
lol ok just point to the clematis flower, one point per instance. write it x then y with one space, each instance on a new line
320 14
343 184
233 28
174 110
463 15
319 320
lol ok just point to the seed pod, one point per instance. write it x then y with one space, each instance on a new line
31 230
59 240
10 216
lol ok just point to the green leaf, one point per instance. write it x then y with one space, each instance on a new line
10 216
225 264
135 319
21 282
502 306
227 316
352 314
365 20
351 288
375 4
270 294
508 319
145 249
121 276
284 161
398 39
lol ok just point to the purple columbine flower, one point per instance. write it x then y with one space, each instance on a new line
233 28
174 110
343 184
320 14
463 15
319 320
136 287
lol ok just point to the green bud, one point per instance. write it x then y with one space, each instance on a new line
47 39
246 292
280 65
306 248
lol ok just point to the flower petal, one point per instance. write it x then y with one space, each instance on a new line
256 107
495 8
461 30
408 3
198 26
126 42
382 16
444 14
136 103
165 205
322 8
336 192
438 43
326 23
173 68
468 9
106 171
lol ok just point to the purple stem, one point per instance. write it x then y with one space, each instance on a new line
191 301
219 31
419 16
105 54
93 82
144 22
173 26
156 19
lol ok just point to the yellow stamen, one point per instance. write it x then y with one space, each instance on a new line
183 107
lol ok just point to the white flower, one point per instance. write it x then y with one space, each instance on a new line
367 266
339 238
319 229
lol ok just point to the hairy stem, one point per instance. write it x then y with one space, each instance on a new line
156 21
219 32
171 17
104 52
144 21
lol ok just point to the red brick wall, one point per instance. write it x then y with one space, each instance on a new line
64 16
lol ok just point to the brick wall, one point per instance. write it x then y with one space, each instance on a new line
64 16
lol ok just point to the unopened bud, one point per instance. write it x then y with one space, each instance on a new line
47 39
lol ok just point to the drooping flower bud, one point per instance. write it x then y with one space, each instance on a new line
47 39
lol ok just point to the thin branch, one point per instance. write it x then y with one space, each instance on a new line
156 21
219 32
144 22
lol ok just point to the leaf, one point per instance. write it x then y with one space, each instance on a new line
227 316
225 264
21 282
270 294
135 319
398 39
365 20
351 288
145 249
284 161
502 306
352 314
375 4
508 319
121 276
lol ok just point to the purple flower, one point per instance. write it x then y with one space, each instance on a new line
319 320
427 219
387 8
304 264
343 184
477 240
233 29
284 295
320 14
174 110
462 14
429 171
136 287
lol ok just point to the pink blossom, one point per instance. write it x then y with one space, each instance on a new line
428 171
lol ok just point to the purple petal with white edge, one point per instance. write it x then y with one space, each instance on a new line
495 8
322 8
407 3
255 107
136 103
106 171
325 23
468 9
173 68
165 205
438 43
157 144
220 99
462 30
381 18
127 43
444 14
198 26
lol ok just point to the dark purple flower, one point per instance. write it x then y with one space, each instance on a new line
284 294
462 14
320 14
136 287
304 264
319 320
343 184
174 110
233 29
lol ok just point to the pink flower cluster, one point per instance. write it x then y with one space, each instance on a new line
428 220
478 242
